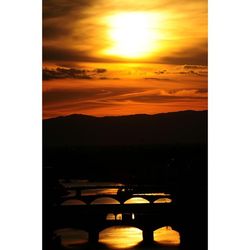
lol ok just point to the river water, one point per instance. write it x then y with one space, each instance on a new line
117 237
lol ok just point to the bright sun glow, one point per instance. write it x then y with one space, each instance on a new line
133 34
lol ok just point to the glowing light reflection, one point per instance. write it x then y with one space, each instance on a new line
136 200
121 237
167 236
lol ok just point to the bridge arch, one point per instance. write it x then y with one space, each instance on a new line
72 202
118 216
136 200
120 236
167 236
110 216
105 200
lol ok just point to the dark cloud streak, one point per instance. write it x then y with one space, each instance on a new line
62 73
71 73
64 8
193 56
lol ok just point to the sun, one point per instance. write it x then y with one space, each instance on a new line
132 34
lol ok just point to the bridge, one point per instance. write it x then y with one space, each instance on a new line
93 218
124 193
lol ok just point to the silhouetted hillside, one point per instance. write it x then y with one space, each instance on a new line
186 127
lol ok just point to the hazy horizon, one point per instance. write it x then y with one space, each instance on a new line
128 115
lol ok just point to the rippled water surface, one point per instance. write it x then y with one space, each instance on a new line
121 237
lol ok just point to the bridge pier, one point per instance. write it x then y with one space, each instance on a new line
93 236
148 235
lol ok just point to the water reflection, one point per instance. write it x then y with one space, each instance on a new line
136 200
73 202
108 200
120 237
69 183
104 200
99 191
167 236
116 237
163 200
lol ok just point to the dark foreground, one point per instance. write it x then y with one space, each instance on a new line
180 170
167 151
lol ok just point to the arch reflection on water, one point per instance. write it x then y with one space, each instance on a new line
136 200
117 237
125 237
73 202
120 237
166 236
163 200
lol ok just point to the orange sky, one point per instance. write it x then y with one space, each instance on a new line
124 57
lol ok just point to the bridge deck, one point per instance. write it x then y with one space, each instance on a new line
95 216
121 194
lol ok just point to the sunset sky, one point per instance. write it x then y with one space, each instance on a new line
115 57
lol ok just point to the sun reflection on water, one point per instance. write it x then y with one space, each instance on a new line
121 237
136 200
167 236
163 200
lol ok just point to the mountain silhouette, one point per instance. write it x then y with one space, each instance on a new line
185 127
